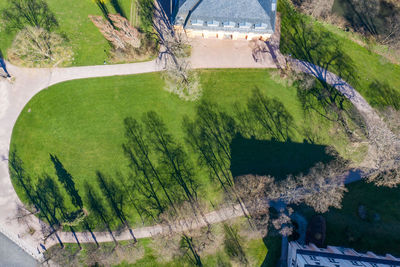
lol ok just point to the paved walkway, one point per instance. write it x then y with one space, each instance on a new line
29 82
214 53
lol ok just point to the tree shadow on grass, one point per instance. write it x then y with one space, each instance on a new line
381 94
372 17
273 244
36 13
277 159
322 50
118 8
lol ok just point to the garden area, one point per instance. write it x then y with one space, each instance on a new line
75 31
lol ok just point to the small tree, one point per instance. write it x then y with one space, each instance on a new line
37 47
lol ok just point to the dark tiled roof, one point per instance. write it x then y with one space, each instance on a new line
237 11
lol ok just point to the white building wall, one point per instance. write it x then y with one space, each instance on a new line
333 258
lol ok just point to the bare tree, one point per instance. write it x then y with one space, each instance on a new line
315 8
376 19
321 188
192 238
37 47
120 33
23 216
382 162
256 193
180 78
283 222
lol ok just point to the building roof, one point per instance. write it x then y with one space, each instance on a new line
243 15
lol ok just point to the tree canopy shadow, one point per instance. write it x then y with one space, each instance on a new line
118 8
370 17
381 94
168 6
273 244
277 159
36 13
305 40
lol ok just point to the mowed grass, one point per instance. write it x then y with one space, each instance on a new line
377 79
88 44
81 121
380 235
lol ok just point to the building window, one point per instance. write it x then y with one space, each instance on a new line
197 22
229 24
245 25
356 263
332 260
213 23
313 258
260 26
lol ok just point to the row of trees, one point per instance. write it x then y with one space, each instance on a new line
180 78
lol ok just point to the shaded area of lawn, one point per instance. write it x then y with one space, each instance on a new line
88 44
273 243
277 159
81 123
371 74
346 228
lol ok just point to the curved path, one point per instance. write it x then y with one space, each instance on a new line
14 96
28 82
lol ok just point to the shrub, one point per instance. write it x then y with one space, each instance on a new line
37 47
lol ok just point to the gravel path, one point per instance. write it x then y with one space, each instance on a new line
28 82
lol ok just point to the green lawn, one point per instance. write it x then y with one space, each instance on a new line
88 44
81 122
376 78
346 228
